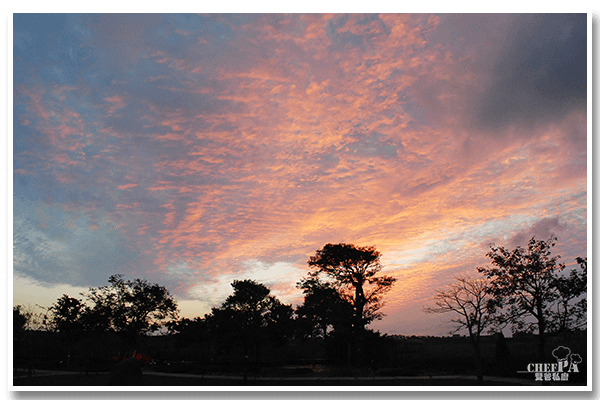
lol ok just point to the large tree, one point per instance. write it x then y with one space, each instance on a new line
248 317
132 307
523 282
354 271
66 316
128 308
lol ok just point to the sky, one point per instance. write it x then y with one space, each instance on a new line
192 150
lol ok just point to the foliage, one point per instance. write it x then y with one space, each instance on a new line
126 307
567 316
133 307
527 282
248 317
66 316
20 321
354 271
324 308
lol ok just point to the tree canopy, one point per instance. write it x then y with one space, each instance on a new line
324 308
353 270
248 317
527 282
566 315
126 307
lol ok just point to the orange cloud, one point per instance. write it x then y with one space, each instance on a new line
127 186
304 130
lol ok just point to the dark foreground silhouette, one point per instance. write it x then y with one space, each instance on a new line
107 337
412 361
152 379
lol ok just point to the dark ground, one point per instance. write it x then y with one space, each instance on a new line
163 379
415 361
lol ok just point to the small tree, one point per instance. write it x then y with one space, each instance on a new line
470 301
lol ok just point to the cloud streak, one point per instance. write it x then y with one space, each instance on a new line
193 150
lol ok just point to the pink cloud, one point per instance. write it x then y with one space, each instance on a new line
308 139
116 103
127 186
332 106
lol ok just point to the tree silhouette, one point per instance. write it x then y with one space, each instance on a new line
279 323
247 316
353 270
20 321
522 281
567 316
126 308
130 307
66 316
324 308
471 302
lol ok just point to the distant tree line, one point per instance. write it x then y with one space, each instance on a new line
335 311
524 288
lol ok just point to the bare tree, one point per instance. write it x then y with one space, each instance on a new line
472 304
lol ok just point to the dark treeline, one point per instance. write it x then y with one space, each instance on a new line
252 332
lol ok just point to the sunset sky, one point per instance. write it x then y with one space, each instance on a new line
192 150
